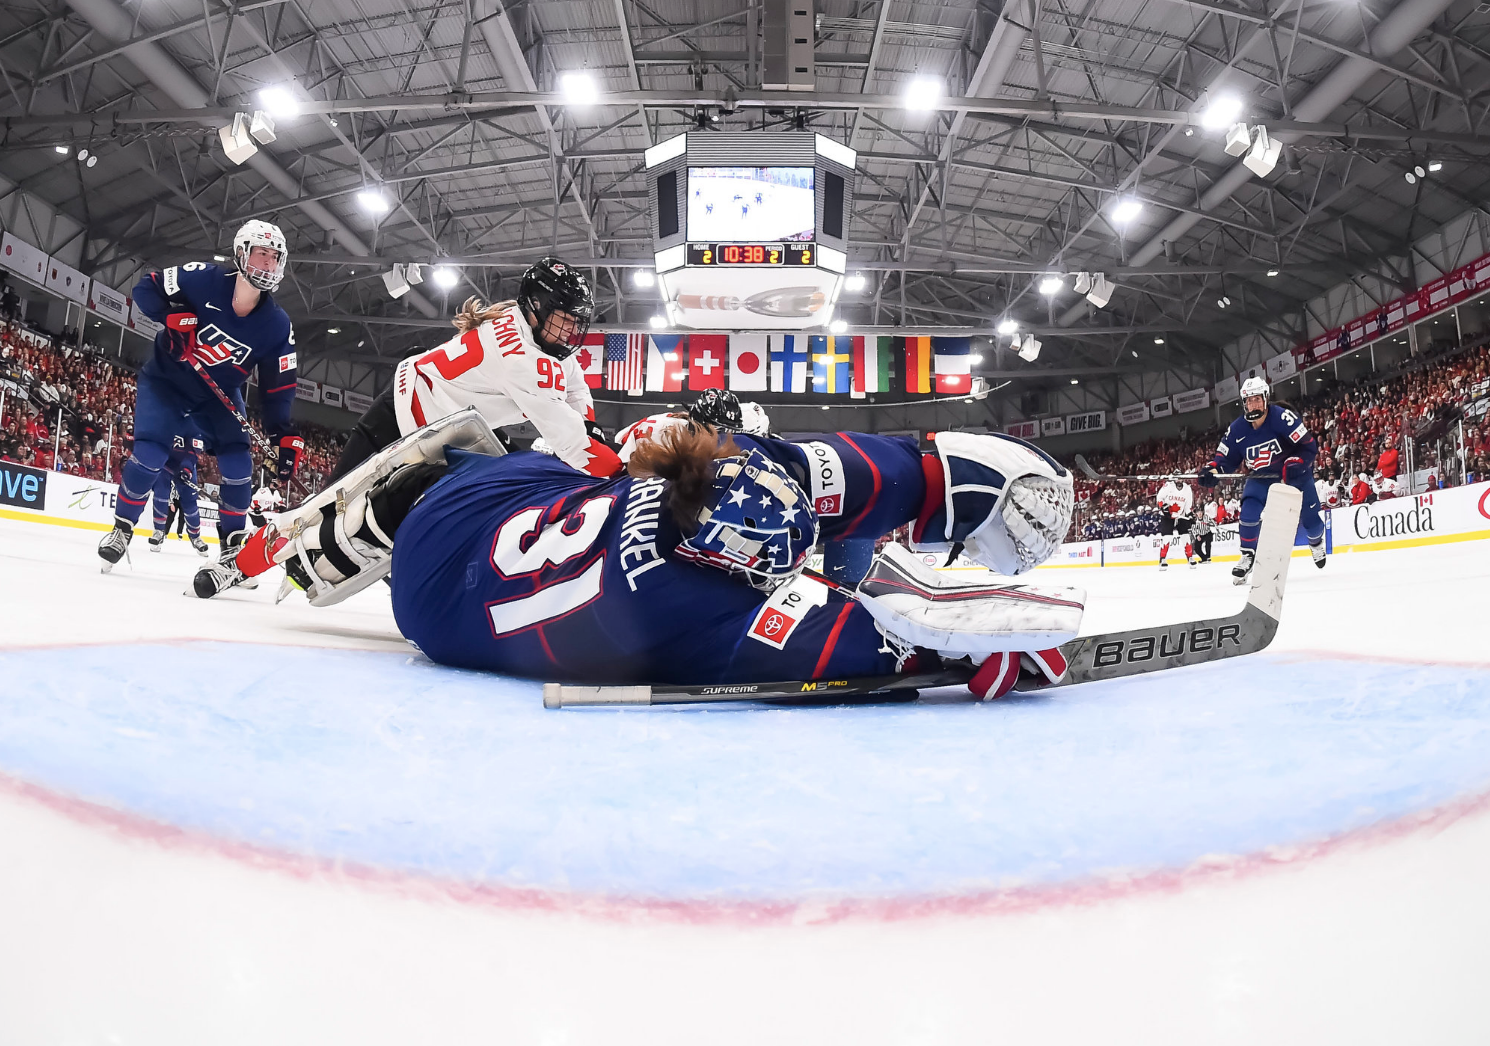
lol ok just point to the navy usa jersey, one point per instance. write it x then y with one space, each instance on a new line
1281 436
231 346
523 565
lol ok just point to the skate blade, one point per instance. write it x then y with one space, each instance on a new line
286 588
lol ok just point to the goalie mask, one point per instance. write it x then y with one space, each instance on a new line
761 523
260 234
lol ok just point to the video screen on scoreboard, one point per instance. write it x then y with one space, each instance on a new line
751 204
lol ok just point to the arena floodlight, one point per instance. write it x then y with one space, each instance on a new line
93 161
413 274
838 326
1411 178
1435 166
855 283
1030 350
1082 283
394 281
373 202
644 278
975 359
60 150
237 143
82 153
658 322
445 277
1051 286
1101 292
279 102
1158 341
1127 210
1418 170
1224 111
1272 272
1238 139
579 89
1007 326
922 93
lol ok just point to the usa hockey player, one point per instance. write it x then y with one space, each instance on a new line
227 322
176 492
1177 501
689 568
512 361
1276 445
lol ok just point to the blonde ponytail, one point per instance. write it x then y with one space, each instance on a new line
473 313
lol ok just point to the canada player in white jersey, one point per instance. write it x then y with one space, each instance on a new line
1328 489
1177 501
716 407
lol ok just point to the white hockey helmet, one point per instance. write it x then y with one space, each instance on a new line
1255 386
253 234
753 420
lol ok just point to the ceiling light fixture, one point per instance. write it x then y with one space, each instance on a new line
643 278
1051 285
658 322
373 202
1126 210
1272 272
1007 326
855 283
579 89
279 103
922 93
445 277
1158 341
1224 111
838 326
61 150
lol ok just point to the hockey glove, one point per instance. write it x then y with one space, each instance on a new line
290 449
181 335
1206 474
997 676
1293 470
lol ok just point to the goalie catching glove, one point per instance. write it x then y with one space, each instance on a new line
1004 502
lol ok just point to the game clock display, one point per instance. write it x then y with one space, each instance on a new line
751 253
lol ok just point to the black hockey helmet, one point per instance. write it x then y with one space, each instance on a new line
551 286
719 408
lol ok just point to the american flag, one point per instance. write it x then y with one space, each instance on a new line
625 359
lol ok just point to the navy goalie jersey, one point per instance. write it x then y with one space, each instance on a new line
522 565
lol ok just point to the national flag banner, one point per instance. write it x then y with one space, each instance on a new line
749 360
707 354
789 363
917 364
832 360
625 360
953 364
666 362
591 359
872 364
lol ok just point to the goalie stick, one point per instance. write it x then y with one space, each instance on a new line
1090 659
1104 477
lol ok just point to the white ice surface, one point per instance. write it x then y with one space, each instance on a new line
119 931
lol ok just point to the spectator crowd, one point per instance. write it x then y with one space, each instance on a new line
44 378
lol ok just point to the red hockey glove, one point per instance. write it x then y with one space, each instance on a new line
290 449
181 335
1293 469
997 676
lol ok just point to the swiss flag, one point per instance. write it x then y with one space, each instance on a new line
591 358
707 354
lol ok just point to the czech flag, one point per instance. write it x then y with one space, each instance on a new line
953 366
706 361
917 364
666 364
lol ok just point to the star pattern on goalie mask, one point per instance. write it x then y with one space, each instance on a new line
789 515
738 497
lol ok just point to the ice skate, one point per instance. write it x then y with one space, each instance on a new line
115 545
1163 564
157 539
1194 561
1316 549
218 577
1243 568
198 544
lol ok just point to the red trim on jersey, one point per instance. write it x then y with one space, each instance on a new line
416 409
546 648
936 494
874 495
281 388
603 462
822 662
590 412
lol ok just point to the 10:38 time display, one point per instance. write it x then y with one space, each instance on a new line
750 254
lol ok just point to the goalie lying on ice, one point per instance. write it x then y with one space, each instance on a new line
690 568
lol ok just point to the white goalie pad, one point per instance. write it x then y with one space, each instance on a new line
923 607
1008 503
301 533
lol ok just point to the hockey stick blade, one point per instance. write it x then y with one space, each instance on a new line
562 695
1104 477
1116 654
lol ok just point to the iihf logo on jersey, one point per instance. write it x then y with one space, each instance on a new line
215 345
1261 456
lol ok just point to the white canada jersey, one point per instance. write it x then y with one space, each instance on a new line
499 369
647 428
1176 499
266 500
1329 493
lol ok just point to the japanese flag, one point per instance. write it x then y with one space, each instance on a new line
591 359
748 362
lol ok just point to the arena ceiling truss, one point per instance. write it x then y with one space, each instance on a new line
1053 113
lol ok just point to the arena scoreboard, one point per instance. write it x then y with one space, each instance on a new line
750 229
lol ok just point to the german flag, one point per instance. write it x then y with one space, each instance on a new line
917 364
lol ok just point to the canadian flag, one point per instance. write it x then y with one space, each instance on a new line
706 361
591 359
748 359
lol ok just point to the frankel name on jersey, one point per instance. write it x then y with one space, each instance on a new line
639 529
